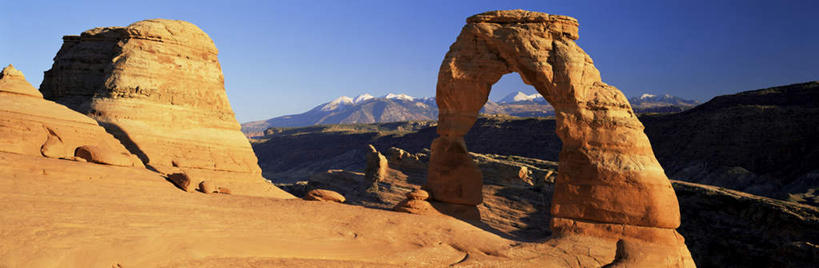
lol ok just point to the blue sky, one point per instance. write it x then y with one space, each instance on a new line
284 57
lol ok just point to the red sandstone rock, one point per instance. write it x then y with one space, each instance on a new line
101 155
13 81
376 169
30 125
414 206
183 181
223 190
418 194
53 147
324 195
157 86
207 187
608 175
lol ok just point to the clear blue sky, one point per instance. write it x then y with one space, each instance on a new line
284 57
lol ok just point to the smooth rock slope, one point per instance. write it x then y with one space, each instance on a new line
158 87
33 126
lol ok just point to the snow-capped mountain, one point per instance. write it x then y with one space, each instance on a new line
521 97
363 108
405 97
363 97
366 108
651 103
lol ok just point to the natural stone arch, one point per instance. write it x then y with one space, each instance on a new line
608 173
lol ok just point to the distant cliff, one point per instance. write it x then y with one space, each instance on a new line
762 142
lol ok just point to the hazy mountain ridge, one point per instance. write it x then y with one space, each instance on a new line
392 107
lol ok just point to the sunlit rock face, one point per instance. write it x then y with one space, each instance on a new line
30 125
609 183
158 87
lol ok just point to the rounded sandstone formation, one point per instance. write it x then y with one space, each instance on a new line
158 87
37 127
414 206
182 180
207 187
418 194
102 155
53 148
13 81
324 195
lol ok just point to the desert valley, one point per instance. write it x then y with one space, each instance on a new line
129 154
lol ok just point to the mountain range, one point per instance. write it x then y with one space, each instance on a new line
365 108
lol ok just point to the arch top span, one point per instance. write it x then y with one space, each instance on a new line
608 172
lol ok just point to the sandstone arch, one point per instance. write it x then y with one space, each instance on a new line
608 172
609 186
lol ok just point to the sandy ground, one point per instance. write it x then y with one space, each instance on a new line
60 213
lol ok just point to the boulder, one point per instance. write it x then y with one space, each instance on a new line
207 187
101 155
157 86
223 190
183 181
418 194
414 206
324 195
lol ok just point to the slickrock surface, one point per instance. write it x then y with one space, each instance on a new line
610 185
31 125
59 213
158 86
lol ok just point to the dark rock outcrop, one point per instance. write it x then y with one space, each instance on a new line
761 142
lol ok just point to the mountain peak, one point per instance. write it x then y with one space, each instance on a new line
518 97
336 103
646 96
399 97
363 97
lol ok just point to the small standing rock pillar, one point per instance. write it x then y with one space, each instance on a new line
377 165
